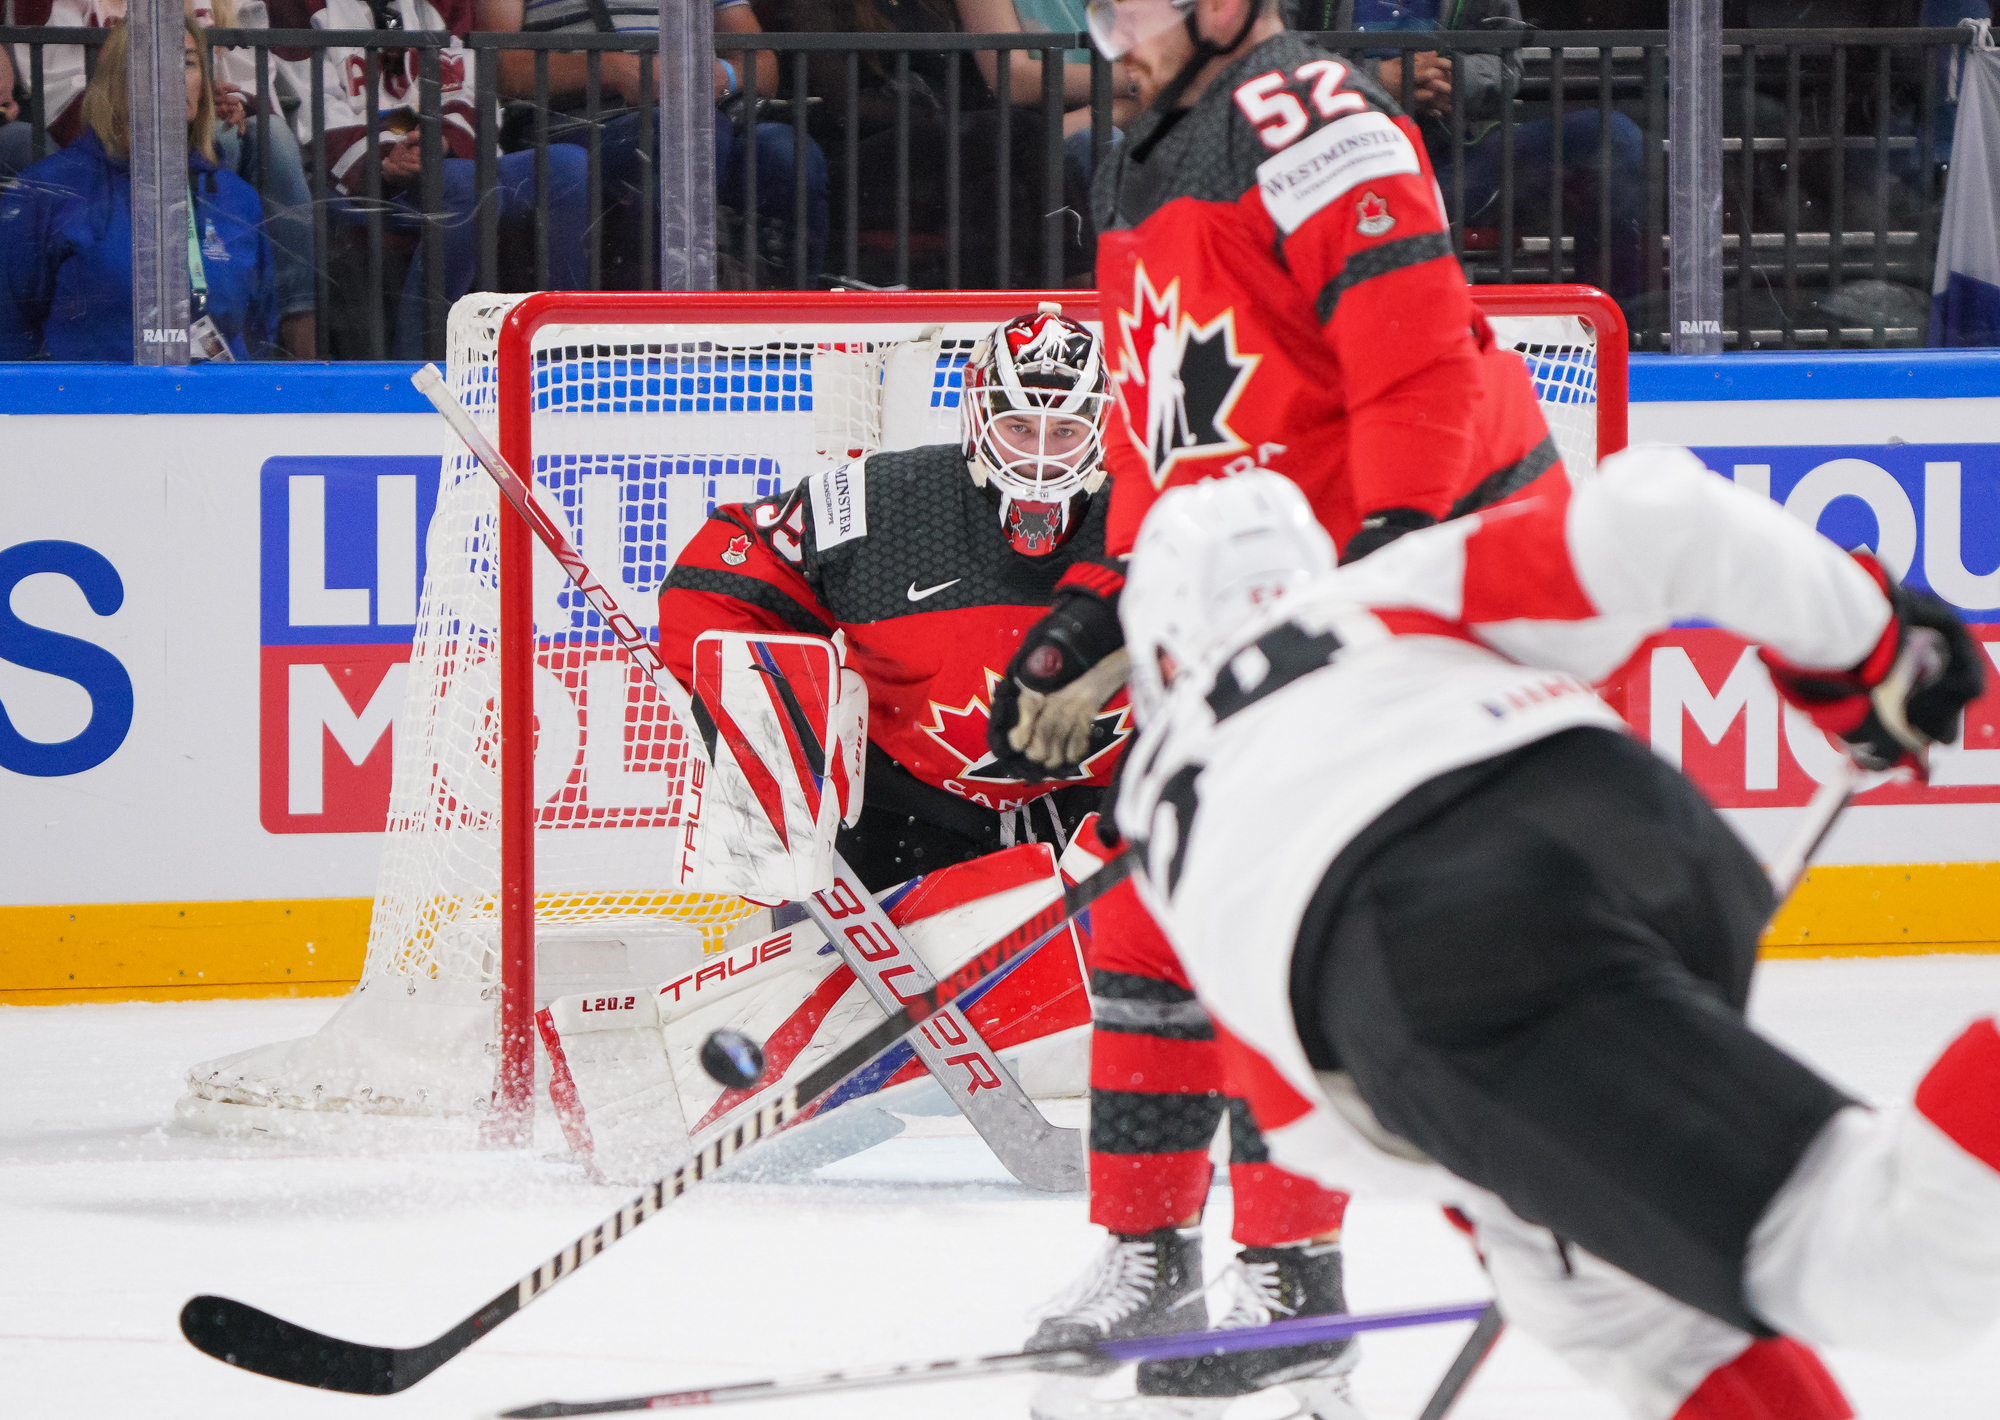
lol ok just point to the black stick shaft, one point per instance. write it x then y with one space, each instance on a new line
1477 1348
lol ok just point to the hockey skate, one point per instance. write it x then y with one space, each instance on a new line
1264 1284
1142 1285
1268 1283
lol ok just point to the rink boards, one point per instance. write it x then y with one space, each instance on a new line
208 582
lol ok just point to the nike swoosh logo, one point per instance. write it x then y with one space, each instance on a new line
917 596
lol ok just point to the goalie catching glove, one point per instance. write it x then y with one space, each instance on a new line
1069 664
1906 695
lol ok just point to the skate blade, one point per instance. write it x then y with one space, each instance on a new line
1324 1397
1114 1397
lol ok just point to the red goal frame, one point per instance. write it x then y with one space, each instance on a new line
512 1120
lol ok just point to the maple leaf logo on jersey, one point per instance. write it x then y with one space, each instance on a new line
738 551
1192 376
1372 217
961 731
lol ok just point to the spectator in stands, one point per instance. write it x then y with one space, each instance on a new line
1436 84
63 70
15 132
560 209
873 124
287 199
1025 73
620 115
66 234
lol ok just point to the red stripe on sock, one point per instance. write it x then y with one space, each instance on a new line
1275 1207
1137 1193
1961 1093
1770 1380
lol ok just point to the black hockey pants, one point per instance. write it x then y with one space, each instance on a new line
1540 983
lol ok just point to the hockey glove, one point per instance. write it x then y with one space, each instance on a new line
1078 632
1381 528
1909 693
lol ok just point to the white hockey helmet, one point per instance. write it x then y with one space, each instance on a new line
1033 413
1209 557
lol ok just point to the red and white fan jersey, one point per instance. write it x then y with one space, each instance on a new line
345 74
1447 648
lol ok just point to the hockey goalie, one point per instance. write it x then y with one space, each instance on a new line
869 608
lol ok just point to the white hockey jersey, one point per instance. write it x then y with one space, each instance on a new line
345 73
1449 647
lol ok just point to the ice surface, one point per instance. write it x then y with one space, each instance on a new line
920 1247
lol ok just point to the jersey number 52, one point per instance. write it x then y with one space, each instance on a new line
1280 115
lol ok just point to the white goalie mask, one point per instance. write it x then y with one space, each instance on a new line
1033 413
1210 557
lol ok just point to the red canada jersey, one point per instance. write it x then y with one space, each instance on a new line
903 556
1278 290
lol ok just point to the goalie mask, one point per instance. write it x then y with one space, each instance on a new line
1034 411
1210 557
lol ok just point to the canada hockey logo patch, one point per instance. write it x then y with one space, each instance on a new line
961 732
1372 217
1184 377
738 551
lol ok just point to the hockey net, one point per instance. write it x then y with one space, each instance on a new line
642 414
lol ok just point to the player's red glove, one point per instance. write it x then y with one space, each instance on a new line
1889 720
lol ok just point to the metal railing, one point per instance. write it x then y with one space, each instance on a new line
907 165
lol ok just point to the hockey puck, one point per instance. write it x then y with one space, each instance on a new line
732 1059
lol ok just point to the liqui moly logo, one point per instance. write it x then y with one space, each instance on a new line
342 567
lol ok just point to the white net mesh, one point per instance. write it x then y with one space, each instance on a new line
639 431
1561 355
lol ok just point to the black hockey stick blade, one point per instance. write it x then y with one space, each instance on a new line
243 1336
240 1335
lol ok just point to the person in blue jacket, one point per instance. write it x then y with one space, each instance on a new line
66 236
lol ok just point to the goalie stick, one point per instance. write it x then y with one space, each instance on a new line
1292 1332
251 1339
1035 1151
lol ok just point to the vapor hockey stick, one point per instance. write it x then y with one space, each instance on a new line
253 1340
1035 1151
1785 872
1292 1332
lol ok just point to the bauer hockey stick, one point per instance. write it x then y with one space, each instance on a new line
1294 1331
1786 871
253 1340
1040 1154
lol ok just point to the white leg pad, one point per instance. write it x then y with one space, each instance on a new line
1614 1330
1886 1236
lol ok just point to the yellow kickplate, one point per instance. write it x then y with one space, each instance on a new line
1890 909
178 951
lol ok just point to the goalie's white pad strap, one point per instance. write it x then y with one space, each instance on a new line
773 713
